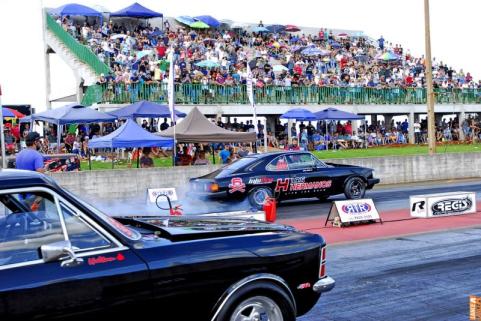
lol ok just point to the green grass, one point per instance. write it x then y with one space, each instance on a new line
405 150
396 151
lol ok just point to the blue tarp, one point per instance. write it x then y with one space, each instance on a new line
132 135
299 114
336 114
136 11
74 9
145 109
73 114
209 20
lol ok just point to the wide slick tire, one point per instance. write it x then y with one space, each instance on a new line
258 195
355 188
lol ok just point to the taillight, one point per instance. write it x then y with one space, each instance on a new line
214 187
322 267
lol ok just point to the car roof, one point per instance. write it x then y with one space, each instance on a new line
273 154
10 178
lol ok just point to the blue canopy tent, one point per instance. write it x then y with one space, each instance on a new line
132 135
74 9
336 114
299 114
137 11
209 20
71 114
145 109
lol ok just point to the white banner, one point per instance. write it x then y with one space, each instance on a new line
155 192
442 204
354 211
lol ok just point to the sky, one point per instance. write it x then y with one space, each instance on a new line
454 32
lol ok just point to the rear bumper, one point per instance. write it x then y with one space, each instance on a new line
372 181
324 285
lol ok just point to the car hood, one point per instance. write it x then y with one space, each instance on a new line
182 228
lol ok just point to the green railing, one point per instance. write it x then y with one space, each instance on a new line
195 94
82 52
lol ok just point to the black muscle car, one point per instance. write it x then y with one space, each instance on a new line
60 257
283 175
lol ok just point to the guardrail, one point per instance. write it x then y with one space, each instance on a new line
82 52
199 94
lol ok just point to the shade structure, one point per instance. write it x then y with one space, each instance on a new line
260 29
132 135
292 28
207 64
276 28
195 128
199 25
299 114
279 68
336 114
7 113
388 56
209 20
145 109
136 10
73 114
312 51
186 20
74 9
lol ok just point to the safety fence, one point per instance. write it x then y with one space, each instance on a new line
200 94
82 52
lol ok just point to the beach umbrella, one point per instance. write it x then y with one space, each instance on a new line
239 25
276 28
299 114
144 53
314 52
7 113
209 20
343 35
207 64
292 28
260 29
199 25
186 20
335 45
16 113
279 68
387 56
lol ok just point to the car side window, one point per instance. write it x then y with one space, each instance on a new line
301 161
278 164
81 234
27 221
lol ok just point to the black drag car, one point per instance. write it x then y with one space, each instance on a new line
283 175
60 258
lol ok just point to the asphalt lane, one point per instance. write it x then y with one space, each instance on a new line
422 277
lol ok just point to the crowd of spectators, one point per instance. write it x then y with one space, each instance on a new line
138 54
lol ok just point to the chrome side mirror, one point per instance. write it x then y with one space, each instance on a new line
55 251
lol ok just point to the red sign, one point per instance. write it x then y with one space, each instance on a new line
237 185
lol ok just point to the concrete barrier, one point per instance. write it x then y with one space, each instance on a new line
133 183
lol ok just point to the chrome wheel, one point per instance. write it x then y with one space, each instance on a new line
258 196
258 308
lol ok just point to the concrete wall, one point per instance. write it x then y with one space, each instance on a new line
133 183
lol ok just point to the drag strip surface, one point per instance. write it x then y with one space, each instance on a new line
422 277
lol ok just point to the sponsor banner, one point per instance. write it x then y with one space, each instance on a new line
443 204
349 211
155 192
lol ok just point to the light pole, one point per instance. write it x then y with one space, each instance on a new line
429 82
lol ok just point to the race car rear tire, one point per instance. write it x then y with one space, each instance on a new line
355 188
258 195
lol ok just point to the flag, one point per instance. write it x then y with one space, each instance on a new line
250 94
170 86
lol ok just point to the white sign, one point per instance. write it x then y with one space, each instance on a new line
443 204
155 192
354 211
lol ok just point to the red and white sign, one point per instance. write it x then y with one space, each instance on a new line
237 185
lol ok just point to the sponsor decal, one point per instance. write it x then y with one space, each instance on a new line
356 208
303 286
451 205
418 205
105 259
260 180
237 185
299 184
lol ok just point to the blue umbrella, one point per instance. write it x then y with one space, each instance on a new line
209 20
260 29
335 45
7 113
336 114
145 109
294 39
314 52
207 64
299 114
276 28
186 20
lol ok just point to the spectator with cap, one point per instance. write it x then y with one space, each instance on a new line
30 159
